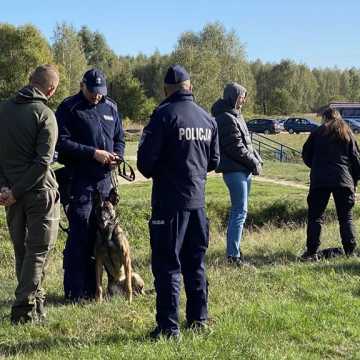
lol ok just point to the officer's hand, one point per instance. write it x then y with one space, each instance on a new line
257 170
103 157
117 160
7 197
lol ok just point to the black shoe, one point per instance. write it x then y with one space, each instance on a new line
309 256
159 333
19 318
198 326
236 261
350 251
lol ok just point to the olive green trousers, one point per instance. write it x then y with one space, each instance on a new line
33 223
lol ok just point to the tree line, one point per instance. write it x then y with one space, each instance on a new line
213 56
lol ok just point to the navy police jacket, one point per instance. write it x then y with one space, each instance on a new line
83 128
177 149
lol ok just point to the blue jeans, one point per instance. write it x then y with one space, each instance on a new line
238 184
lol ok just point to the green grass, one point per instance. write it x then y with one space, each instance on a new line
298 173
280 309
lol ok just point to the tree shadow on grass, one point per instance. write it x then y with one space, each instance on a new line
218 258
51 343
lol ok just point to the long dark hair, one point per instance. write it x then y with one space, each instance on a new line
335 126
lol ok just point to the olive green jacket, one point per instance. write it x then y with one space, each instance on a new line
28 134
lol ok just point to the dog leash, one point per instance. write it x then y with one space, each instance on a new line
123 169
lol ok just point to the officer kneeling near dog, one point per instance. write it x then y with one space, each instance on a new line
91 140
178 147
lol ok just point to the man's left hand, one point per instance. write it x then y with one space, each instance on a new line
6 197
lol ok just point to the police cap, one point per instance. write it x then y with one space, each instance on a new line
176 74
95 81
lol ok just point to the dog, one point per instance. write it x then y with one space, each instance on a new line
118 287
112 251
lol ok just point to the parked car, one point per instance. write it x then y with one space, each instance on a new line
266 126
349 111
281 124
354 125
297 125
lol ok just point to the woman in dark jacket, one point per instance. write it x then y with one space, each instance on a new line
332 154
238 160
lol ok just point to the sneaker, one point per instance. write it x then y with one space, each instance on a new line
159 333
309 256
236 261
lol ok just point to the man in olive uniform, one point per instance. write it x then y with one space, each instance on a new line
28 133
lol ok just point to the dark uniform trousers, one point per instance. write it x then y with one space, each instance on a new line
318 199
33 223
79 262
179 240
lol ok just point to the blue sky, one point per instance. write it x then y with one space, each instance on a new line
318 33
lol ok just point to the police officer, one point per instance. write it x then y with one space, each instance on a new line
178 147
91 140
28 187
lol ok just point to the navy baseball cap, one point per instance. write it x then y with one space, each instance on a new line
95 81
176 74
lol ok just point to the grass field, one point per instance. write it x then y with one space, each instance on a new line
277 309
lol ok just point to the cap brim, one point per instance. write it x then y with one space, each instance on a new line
98 89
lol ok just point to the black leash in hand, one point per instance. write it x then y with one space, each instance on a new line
123 169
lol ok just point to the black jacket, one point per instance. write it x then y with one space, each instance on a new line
83 128
177 149
333 163
236 150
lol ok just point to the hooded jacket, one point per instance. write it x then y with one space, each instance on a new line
236 150
28 133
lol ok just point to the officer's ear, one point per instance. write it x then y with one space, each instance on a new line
113 197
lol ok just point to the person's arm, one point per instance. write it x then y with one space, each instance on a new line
66 145
233 145
119 136
150 147
355 160
44 152
214 150
308 151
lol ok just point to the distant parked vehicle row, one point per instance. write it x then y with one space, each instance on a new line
292 125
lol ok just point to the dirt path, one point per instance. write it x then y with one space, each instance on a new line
140 178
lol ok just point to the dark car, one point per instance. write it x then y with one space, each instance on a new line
354 125
266 126
297 125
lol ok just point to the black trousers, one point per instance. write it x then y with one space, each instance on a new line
344 202
179 240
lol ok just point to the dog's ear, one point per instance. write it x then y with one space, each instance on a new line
113 196
97 198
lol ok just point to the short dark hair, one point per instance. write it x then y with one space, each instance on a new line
44 76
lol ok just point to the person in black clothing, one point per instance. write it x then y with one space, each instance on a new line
332 154
177 149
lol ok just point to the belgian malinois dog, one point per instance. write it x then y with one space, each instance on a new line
112 250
